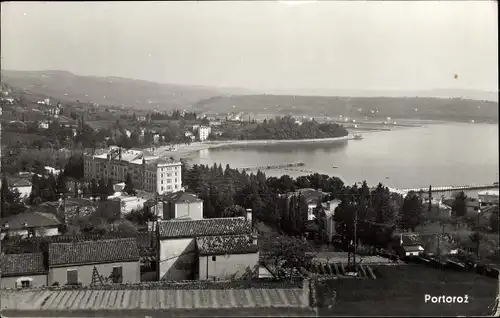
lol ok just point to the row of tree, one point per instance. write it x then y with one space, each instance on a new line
283 128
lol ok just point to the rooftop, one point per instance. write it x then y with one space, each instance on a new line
124 301
181 197
30 219
22 264
411 239
205 227
19 182
88 252
227 244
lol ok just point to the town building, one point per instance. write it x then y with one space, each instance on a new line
22 185
43 124
489 197
23 270
29 224
311 197
194 249
76 263
410 245
148 172
329 208
203 132
176 205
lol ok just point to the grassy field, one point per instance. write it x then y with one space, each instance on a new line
400 290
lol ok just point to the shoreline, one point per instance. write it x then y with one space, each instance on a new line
198 146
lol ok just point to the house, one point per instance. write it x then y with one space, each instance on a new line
74 263
489 197
410 245
180 242
179 204
127 203
22 185
23 270
43 124
29 224
329 208
311 197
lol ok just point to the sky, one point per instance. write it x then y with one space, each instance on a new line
261 45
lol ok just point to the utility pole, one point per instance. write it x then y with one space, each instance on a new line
355 234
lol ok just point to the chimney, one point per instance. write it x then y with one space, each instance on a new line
249 215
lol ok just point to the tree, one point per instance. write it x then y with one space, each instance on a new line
94 188
289 253
61 187
103 189
494 222
129 186
233 211
110 187
411 211
476 238
11 200
460 205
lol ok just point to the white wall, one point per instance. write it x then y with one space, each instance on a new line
131 203
226 265
25 191
175 257
192 210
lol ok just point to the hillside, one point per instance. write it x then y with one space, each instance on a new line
455 109
113 91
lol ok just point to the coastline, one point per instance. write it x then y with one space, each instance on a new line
186 150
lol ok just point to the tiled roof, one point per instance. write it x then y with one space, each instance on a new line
20 264
32 219
93 252
19 182
227 244
181 197
205 227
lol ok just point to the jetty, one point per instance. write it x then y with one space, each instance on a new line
277 166
451 188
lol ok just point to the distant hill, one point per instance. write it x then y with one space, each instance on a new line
435 93
113 91
455 109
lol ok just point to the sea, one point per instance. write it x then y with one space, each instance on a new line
435 154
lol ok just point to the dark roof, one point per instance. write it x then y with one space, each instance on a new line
227 244
89 252
181 197
20 264
19 182
310 196
412 248
411 240
32 219
205 227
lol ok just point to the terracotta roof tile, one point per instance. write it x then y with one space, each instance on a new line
227 244
87 252
32 219
20 264
205 227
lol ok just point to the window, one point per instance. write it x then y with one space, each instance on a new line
25 284
213 258
161 188
117 274
72 277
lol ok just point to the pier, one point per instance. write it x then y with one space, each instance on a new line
451 188
278 166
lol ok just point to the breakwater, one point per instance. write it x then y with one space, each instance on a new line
277 166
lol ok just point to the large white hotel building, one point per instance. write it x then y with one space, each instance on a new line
148 172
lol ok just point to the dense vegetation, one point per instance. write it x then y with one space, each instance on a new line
282 128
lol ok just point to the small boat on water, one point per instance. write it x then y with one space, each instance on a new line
335 166
358 137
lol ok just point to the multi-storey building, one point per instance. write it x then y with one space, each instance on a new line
148 172
203 132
